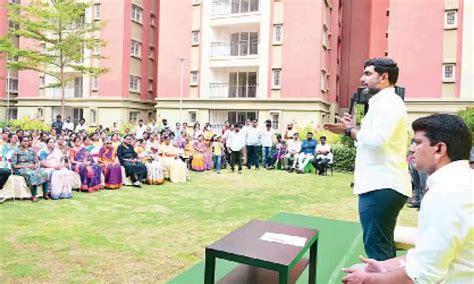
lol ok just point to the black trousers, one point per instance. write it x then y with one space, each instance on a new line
236 158
320 164
4 174
378 212
252 156
136 171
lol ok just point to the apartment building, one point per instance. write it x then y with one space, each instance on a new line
244 59
124 94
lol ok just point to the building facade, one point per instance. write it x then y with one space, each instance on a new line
124 94
284 60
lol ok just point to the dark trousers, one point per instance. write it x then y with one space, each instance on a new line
4 174
320 164
418 181
236 158
136 171
252 156
378 212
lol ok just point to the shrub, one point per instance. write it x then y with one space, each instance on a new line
344 157
331 138
26 123
124 126
468 116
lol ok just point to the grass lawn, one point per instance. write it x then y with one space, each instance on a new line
154 233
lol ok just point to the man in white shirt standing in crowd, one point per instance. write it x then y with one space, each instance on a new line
140 129
68 124
267 143
235 143
252 141
381 177
444 246
81 126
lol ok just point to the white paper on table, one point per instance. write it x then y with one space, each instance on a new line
283 239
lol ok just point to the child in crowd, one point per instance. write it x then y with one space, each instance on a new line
217 151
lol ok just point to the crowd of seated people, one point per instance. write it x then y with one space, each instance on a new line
104 159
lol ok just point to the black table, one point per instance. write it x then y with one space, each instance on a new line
263 261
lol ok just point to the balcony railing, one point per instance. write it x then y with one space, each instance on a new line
69 92
226 90
234 48
228 7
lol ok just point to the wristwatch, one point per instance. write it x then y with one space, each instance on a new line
349 131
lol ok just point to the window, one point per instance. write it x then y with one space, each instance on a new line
449 72
194 77
275 118
277 33
195 37
242 85
239 117
12 58
152 20
12 85
450 19
150 85
136 48
192 116
276 82
96 50
151 54
13 25
95 83
93 118
325 38
323 81
43 47
42 81
96 11
133 116
244 43
137 14
134 83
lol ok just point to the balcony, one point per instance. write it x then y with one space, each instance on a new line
69 92
234 48
234 7
226 90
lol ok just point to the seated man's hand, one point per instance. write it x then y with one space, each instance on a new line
354 276
373 265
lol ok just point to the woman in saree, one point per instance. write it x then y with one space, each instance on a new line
176 168
8 149
110 164
25 163
154 166
208 133
196 131
82 162
51 160
115 140
202 160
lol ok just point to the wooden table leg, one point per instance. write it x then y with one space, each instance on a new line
210 268
284 277
313 254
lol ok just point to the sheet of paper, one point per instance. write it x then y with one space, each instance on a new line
283 239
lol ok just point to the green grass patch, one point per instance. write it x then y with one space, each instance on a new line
154 233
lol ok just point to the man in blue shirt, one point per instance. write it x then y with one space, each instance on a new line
308 148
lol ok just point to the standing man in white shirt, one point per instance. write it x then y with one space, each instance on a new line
444 246
381 177
140 130
81 126
235 143
267 143
252 141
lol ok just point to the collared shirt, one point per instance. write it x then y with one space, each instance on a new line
236 141
252 136
139 132
267 137
324 148
382 146
308 146
444 248
68 125
80 127
294 146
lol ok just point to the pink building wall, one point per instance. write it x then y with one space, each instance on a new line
355 46
378 27
3 59
416 43
111 84
334 69
301 52
145 49
457 86
175 24
28 81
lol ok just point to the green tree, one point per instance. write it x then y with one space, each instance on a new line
60 29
